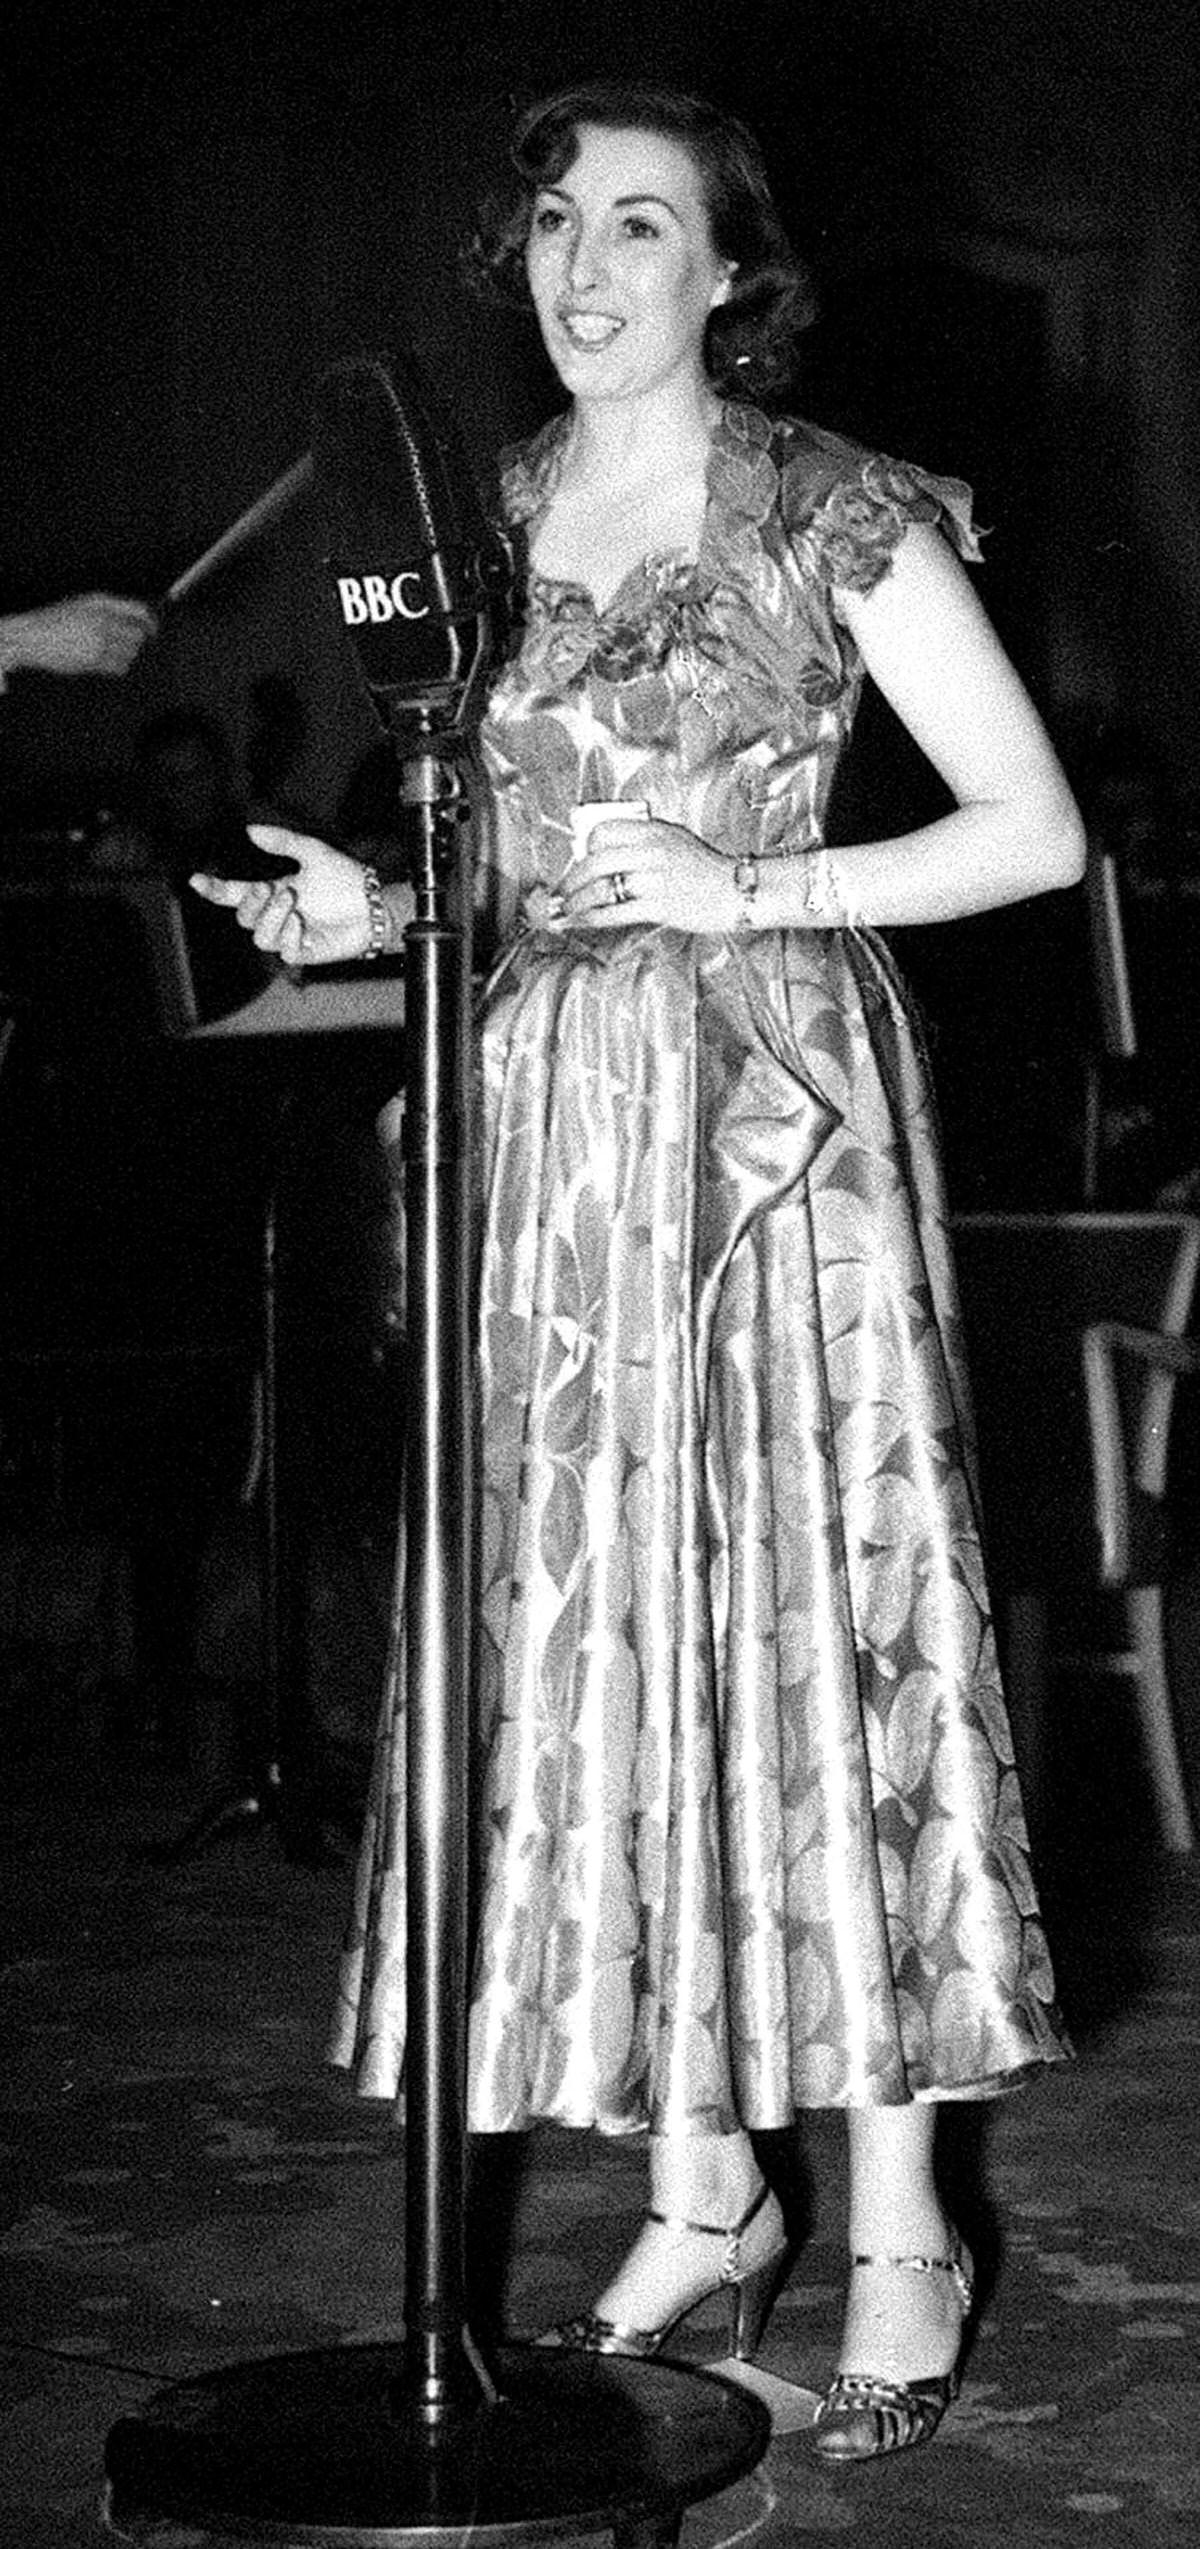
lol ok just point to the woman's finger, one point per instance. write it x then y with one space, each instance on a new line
614 844
279 842
271 917
217 889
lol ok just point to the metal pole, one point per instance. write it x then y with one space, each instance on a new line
440 2362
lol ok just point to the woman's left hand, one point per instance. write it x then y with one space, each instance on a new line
646 871
318 915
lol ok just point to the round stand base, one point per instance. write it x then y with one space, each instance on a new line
327 2448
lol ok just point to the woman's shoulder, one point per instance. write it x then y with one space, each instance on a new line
845 506
526 470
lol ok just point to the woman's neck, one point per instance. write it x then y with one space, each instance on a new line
632 486
618 443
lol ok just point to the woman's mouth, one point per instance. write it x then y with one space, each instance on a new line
589 330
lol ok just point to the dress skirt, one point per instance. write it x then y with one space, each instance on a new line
749 1836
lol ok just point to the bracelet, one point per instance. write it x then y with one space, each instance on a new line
378 931
824 898
745 877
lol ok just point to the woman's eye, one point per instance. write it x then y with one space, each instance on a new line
637 226
547 219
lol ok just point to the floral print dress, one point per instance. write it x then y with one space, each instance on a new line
750 1835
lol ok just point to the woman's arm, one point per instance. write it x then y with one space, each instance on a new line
1014 831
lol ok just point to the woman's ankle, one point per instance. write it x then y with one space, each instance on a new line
901 2323
913 2229
703 2177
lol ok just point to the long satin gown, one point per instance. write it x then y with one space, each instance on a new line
750 1834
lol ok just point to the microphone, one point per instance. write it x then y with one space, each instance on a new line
422 578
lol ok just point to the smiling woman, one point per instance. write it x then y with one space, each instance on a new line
624 277
750 339
751 1835
621 262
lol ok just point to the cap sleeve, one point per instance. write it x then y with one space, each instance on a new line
526 471
847 510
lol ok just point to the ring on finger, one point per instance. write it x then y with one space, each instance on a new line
620 887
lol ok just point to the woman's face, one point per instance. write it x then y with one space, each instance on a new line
622 267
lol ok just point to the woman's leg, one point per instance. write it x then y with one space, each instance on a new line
711 2178
900 2326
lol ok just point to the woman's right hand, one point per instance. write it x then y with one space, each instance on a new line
318 916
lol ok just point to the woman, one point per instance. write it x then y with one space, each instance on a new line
752 1839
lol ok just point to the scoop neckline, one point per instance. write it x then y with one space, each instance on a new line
654 563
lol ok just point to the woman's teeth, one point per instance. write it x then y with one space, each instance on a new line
585 329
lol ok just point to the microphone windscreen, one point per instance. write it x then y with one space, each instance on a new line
420 574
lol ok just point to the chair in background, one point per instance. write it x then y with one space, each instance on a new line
1076 1336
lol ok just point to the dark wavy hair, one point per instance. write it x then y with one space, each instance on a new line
750 342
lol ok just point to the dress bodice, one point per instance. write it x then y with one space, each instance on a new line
718 689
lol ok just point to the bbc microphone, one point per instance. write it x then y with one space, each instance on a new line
421 576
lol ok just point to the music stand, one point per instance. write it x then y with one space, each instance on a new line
100 972
267 1036
104 960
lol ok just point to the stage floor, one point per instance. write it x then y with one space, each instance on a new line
186 2185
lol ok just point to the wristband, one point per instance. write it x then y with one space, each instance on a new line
745 877
377 916
825 899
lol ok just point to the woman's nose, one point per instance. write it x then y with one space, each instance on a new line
587 260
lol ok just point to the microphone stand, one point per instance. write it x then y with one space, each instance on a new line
424 2443
440 2362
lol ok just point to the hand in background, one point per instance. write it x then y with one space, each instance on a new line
318 916
83 633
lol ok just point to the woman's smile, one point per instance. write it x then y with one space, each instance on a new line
590 330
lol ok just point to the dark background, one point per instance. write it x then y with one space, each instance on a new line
204 205
201 207
999 200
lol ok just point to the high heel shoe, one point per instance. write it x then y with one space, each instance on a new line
751 2285
861 2416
